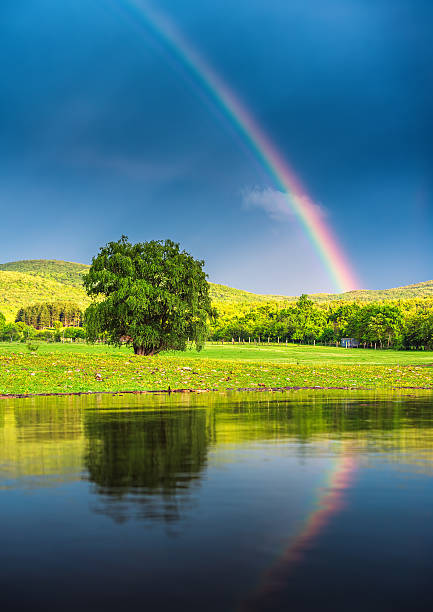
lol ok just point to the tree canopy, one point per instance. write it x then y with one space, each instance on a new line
398 324
150 294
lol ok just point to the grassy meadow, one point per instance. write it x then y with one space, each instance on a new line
67 368
72 368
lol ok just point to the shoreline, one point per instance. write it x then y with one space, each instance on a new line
186 390
95 370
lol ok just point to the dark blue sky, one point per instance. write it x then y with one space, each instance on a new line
103 133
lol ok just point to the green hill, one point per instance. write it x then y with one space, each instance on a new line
38 280
70 274
18 289
419 290
65 272
222 293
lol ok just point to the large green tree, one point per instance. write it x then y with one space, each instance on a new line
150 294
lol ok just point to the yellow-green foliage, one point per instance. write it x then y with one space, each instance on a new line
18 290
419 290
228 295
38 280
224 294
65 272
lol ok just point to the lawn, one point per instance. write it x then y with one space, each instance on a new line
67 368
294 354
290 354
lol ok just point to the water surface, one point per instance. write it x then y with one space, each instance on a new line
217 502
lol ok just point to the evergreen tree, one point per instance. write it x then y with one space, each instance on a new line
43 317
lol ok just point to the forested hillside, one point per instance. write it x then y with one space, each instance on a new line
222 293
46 280
18 290
418 290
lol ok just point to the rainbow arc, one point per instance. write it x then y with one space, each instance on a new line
330 501
320 234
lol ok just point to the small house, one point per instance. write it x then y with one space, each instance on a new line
349 343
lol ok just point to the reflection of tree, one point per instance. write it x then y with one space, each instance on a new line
41 441
50 419
305 416
145 463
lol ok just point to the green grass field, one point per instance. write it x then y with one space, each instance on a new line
312 354
67 368
290 354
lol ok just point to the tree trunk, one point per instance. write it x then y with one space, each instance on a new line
141 350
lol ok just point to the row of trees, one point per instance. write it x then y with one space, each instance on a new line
20 332
155 297
47 314
405 324
400 324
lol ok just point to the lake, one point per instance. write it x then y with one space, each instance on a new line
261 501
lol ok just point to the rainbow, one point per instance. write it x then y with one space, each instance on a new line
326 506
319 233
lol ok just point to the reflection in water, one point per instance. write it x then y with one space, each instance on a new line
270 494
330 501
41 442
149 461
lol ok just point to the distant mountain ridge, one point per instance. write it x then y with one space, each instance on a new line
37 280
417 290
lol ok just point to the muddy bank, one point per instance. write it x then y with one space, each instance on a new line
243 389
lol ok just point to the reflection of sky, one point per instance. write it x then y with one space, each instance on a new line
329 502
249 508
267 516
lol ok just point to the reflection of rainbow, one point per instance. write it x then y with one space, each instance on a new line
308 212
329 504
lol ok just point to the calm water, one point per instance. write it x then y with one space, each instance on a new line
213 502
